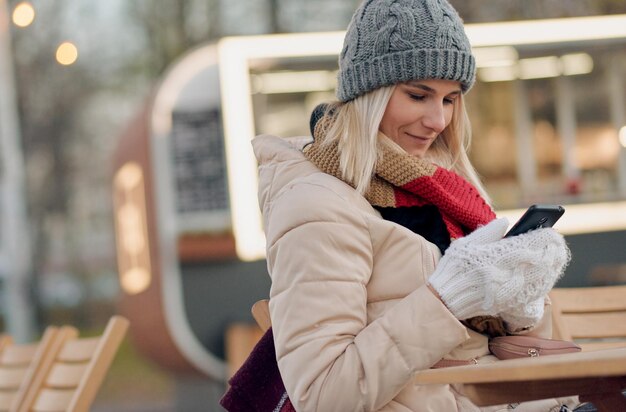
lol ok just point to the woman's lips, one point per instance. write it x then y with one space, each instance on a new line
422 138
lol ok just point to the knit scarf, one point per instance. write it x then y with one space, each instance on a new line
405 181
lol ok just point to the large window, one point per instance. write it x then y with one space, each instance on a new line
552 137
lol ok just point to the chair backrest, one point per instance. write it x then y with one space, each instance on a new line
18 365
261 314
73 371
594 317
241 338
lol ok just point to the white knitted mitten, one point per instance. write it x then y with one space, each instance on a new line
485 274
524 317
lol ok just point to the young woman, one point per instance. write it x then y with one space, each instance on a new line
384 254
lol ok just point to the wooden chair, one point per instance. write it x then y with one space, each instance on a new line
261 314
593 317
598 377
239 340
73 370
18 364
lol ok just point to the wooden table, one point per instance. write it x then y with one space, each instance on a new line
598 377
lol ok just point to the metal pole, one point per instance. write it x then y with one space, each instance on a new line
15 248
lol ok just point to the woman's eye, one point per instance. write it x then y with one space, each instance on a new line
417 97
448 100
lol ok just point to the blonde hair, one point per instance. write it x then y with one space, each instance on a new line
355 130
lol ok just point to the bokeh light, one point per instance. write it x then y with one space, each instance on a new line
23 14
67 53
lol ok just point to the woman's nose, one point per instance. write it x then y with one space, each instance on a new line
435 118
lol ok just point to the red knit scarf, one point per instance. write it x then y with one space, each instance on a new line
404 180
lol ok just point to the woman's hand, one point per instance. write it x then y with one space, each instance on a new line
485 274
523 317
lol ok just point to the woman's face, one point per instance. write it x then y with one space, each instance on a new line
418 111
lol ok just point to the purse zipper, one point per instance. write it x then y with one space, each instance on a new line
533 353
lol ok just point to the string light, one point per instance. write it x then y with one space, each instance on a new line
67 53
23 14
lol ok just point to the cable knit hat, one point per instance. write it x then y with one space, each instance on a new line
393 41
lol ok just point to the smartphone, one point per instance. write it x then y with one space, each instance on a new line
535 217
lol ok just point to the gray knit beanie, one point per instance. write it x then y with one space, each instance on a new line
394 41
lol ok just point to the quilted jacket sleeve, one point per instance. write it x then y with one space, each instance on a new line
320 257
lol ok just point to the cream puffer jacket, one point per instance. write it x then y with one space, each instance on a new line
352 317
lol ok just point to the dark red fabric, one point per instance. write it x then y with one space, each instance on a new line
288 407
257 385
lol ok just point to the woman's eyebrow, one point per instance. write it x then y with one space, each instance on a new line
416 84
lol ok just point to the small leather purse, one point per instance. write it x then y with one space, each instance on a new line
511 347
